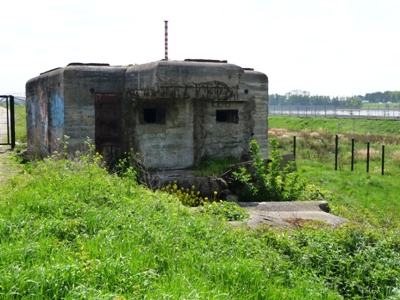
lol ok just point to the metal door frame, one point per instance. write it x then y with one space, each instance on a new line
9 100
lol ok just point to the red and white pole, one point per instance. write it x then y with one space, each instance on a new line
166 40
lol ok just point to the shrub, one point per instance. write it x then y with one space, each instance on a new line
275 185
131 166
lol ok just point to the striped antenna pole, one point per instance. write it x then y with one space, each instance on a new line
166 40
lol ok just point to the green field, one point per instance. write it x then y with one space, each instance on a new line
381 105
315 158
71 230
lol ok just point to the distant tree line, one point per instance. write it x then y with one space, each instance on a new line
299 97
384 97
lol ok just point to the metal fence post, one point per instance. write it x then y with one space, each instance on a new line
383 159
336 151
294 147
367 157
12 122
352 154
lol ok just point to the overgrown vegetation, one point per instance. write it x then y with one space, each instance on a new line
270 182
71 230
131 167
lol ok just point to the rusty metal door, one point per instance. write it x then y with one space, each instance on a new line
7 121
108 124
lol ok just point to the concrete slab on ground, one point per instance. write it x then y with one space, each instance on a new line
289 214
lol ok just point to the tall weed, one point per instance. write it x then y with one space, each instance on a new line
271 183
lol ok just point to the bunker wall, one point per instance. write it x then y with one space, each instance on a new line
168 141
81 84
45 112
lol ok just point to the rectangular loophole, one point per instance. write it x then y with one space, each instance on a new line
153 115
227 116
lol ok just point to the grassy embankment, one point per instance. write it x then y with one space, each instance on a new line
315 155
70 230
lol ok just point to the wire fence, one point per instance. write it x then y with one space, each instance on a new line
322 111
344 153
366 157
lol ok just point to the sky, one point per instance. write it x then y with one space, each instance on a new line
325 47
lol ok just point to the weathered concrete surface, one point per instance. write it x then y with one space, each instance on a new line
190 96
192 92
80 85
289 214
61 102
156 77
287 206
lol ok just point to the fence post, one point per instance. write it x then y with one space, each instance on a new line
367 157
336 151
352 154
294 147
12 121
383 159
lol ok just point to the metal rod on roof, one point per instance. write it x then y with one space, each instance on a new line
166 40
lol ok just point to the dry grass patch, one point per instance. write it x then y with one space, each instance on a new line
396 155
278 132
373 154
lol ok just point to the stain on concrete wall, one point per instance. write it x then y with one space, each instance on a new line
44 112
57 116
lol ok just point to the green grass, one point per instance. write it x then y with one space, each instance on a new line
381 105
338 126
20 123
214 166
70 230
356 189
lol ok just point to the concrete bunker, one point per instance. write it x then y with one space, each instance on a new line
173 112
